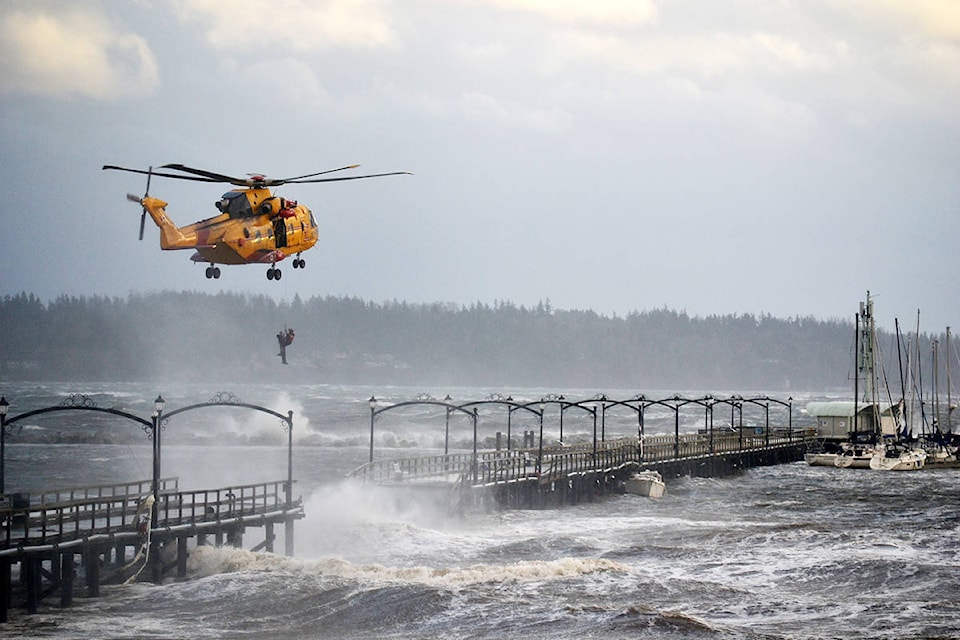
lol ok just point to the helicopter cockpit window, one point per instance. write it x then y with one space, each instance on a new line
235 204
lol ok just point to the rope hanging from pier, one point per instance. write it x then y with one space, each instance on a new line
143 519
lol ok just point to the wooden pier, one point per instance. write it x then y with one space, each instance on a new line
104 534
72 541
568 475
139 530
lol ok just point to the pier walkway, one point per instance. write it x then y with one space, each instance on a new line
125 531
543 473
110 528
570 474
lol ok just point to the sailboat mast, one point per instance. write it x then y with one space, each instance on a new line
917 383
949 400
856 374
902 418
866 355
935 374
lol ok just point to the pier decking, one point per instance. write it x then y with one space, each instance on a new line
109 528
156 518
511 478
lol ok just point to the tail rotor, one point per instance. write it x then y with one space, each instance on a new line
133 198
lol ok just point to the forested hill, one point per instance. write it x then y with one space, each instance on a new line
230 337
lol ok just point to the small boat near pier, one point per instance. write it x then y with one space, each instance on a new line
646 483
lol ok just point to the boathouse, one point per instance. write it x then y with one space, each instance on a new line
835 420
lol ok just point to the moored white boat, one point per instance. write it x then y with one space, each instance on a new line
940 455
646 483
846 455
821 459
898 459
855 456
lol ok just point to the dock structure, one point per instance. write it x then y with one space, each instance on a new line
539 474
69 541
569 475
104 534
74 540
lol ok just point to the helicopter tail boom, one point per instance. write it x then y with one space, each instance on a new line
171 236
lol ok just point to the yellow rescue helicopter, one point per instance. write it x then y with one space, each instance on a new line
253 227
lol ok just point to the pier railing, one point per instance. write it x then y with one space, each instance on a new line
137 488
50 522
492 467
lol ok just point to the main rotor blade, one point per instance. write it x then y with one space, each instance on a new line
372 175
157 173
320 173
201 175
213 177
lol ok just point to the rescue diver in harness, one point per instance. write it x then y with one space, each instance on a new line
284 338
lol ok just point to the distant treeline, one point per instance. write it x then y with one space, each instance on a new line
232 337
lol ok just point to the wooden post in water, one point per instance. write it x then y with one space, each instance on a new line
288 537
30 567
67 573
268 540
4 588
182 556
91 563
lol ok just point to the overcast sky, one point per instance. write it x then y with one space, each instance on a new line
716 157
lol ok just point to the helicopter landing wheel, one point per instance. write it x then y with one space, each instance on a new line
299 263
213 272
273 273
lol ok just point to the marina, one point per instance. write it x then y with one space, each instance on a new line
877 430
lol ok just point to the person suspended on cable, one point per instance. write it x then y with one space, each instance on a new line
284 338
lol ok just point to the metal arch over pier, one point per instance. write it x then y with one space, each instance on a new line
101 522
541 474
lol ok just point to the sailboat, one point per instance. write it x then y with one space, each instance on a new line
898 457
878 445
936 439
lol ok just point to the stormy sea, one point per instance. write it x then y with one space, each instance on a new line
788 551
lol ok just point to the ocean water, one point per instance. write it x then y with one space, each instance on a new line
790 551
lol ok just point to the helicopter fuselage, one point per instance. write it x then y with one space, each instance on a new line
254 226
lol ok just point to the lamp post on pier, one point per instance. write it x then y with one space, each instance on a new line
373 414
562 401
542 405
738 402
156 566
596 406
766 421
790 418
708 402
446 428
676 425
156 419
510 411
4 407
